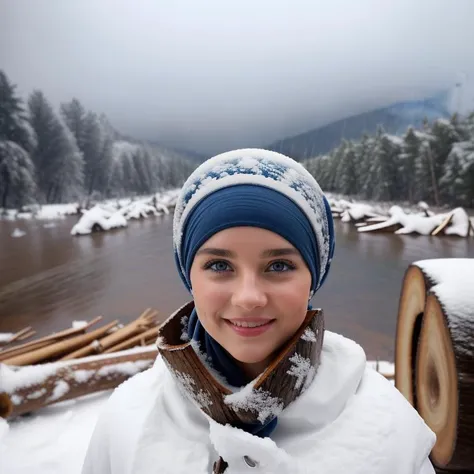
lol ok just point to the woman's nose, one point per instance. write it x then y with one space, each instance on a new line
249 293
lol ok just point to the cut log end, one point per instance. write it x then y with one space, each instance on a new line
6 406
410 315
437 386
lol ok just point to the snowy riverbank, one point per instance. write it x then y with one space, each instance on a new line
103 215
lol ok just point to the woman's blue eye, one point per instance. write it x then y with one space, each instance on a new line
218 266
280 267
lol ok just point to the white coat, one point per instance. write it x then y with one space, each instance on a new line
349 420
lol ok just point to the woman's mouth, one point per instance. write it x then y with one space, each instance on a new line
250 328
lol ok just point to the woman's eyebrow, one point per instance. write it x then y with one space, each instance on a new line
280 252
216 252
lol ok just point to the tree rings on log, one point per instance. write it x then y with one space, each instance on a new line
445 381
410 315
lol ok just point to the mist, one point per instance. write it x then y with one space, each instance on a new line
209 76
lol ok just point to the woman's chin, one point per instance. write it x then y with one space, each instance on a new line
247 357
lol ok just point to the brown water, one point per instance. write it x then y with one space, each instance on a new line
49 278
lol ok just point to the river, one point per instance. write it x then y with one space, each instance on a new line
49 278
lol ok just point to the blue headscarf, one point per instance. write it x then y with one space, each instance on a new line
288 201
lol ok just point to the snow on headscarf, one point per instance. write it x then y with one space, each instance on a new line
247 187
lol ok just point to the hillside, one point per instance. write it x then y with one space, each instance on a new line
395 119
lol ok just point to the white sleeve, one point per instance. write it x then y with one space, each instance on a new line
427 467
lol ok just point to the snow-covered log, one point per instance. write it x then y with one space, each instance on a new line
357 212
31 388
98 218
445 366
407 223
434 358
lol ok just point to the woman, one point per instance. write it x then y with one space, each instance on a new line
247 378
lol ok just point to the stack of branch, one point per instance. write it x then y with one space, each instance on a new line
73 362
434 356
78 342
21 335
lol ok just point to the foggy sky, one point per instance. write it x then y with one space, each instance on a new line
212 75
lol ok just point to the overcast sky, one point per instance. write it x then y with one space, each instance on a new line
211 75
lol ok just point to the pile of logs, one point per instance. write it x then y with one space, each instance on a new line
73 362
434 356
367 218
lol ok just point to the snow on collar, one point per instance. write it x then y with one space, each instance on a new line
260 400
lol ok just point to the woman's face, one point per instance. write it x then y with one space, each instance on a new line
251 290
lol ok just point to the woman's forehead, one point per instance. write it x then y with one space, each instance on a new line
241 237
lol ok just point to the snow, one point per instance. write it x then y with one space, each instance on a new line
56 437
18 233
61 388
256 400
79 324
410 223
56 211
309 335
394 139
156 204
453 283
137 210
5 337
459 223
187 387
303 370
13 379
357 211
100 217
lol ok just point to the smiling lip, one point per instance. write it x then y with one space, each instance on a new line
250 327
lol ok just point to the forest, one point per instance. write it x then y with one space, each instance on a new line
434 164
49 156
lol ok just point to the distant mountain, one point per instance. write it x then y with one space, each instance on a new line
395 119
164 150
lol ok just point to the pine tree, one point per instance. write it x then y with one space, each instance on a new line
407 159
346 182
17 184
57 159
458 180
74 115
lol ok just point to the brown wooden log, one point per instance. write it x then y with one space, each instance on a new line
27 335
415 285
445 373
66 381
443 224
52 337
20 334
144 321
59 348
376 219
140 339
389 225
24 350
